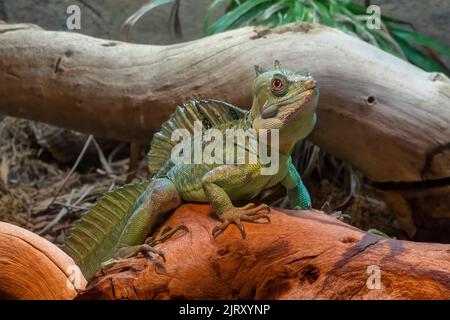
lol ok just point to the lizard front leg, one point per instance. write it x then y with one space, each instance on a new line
299 198
232 178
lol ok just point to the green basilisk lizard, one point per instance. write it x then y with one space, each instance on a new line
117 225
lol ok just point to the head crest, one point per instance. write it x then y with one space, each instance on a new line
259 70
277 64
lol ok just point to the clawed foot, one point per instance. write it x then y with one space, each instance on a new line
249 213
165 233
147 248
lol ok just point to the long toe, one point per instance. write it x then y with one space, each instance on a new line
219 229
109 263
158 264
165 233
145 248
248 206
241 229
255 217
258 210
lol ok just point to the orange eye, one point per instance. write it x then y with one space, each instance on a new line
279 86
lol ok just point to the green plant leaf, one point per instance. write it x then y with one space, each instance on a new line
287 17
229 18
385 45
250 16
211 9
356 8
273 9
150 5
272 22
324 13
335 8
342 14
419 58
412 37
299 11
308 16
233 4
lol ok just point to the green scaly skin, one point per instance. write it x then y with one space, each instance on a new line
289 107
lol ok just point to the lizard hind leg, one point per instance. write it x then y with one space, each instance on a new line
160 198
147 248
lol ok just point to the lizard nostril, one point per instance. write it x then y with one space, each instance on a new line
309 84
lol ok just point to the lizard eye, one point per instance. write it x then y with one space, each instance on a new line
279 86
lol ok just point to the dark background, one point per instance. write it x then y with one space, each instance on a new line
103 18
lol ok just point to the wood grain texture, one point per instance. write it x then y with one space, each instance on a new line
33 268
385 116
300 255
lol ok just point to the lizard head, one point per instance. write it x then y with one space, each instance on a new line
286 100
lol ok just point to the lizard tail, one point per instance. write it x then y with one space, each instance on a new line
95 235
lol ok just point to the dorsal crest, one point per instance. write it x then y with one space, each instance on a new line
211 113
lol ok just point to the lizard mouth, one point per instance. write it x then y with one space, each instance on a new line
295 105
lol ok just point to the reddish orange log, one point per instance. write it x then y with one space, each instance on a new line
300 255
33 268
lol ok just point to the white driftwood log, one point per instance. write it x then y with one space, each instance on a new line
385 116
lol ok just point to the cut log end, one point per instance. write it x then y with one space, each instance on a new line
34 268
